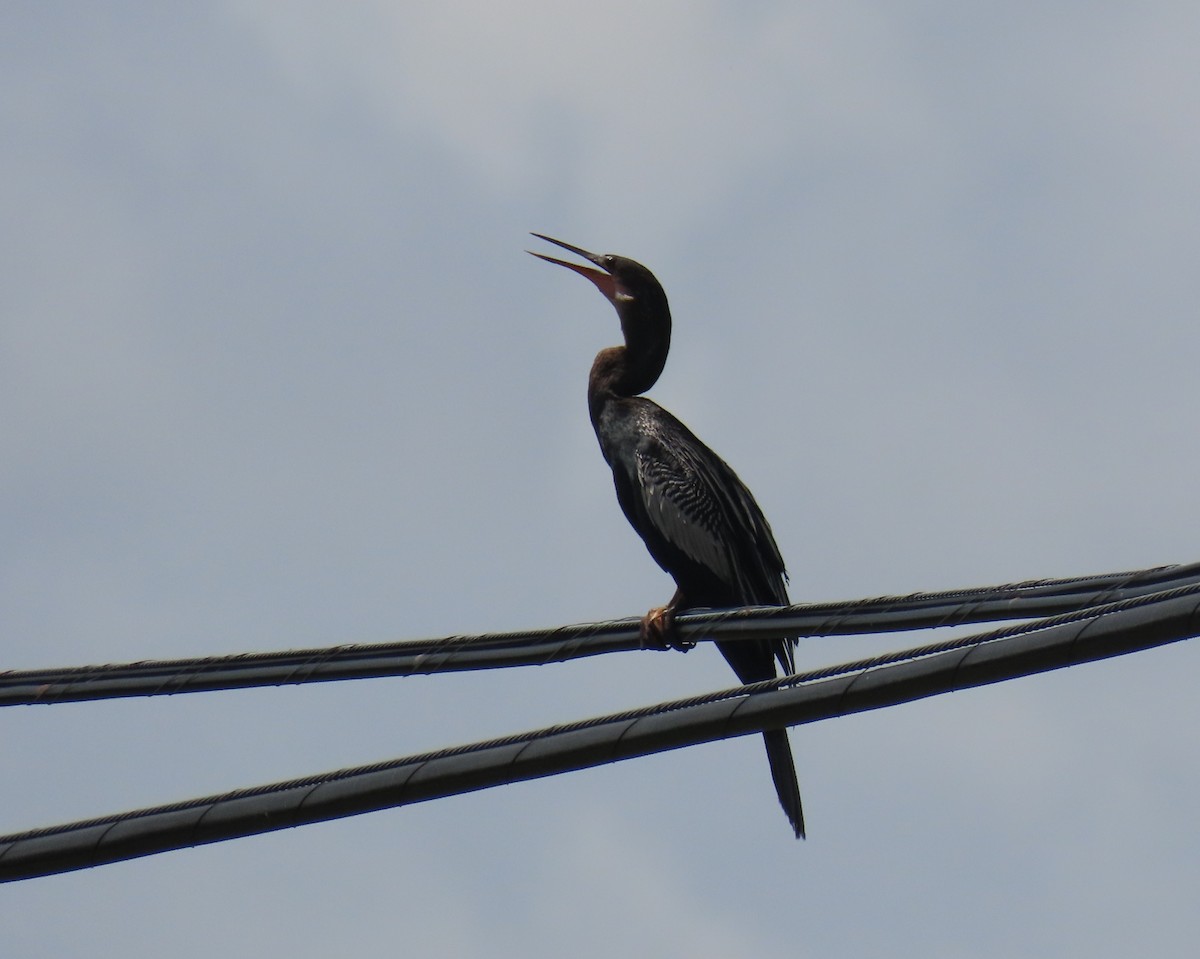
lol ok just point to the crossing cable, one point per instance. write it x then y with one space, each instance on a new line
1025 600
1082 636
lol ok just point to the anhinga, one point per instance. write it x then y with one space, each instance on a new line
698 520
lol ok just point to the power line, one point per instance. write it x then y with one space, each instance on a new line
1083 636
489 651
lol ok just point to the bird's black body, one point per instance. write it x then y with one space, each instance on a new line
698 520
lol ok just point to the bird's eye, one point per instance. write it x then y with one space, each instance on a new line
609 259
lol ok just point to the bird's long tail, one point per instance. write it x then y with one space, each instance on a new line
783 772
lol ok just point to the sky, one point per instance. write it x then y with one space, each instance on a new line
277 373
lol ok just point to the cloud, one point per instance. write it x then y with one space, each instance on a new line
633 108
277 372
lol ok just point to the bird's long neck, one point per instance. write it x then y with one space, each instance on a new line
631 369
646 324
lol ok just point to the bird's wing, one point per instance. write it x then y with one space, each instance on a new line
694 501
682 504
703 526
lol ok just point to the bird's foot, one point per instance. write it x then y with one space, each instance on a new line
658 630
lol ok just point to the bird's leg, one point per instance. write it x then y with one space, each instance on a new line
656 624
658 627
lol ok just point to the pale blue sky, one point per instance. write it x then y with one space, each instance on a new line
277 372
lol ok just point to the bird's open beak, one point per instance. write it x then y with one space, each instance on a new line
604 283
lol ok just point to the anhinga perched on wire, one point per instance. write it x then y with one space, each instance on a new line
698 520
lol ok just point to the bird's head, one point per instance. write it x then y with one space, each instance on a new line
636 294
625 283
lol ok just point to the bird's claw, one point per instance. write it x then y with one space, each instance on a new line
658 631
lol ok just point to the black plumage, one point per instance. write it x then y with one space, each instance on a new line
698 520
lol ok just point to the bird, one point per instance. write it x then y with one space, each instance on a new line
699 521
